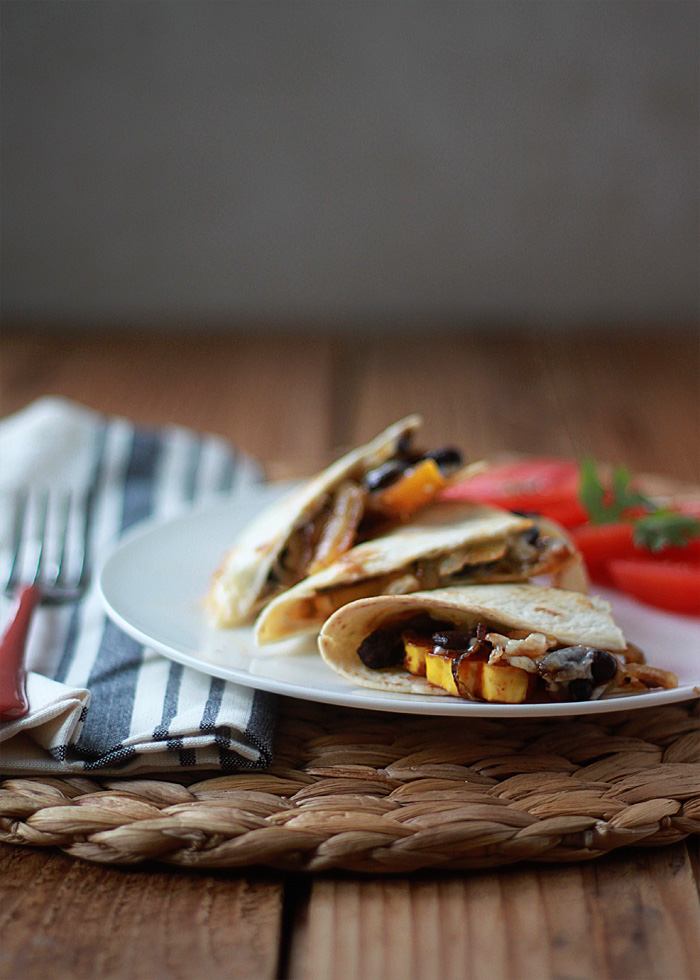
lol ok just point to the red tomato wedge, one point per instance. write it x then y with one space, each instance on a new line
542 486
689 552
602 543
674 586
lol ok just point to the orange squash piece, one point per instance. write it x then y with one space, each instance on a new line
416 488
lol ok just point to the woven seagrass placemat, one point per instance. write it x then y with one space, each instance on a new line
373 792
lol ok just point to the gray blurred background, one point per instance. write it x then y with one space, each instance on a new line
237 164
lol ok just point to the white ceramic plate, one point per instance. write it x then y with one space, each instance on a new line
153 584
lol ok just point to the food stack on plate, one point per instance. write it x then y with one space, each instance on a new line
425 576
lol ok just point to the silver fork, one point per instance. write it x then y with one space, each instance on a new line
59 573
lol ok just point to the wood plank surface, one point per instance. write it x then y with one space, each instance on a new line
293 402
65 918
601 920
252 391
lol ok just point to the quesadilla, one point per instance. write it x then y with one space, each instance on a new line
500 643
447 544
356 498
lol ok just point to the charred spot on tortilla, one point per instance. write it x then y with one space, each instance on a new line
352 567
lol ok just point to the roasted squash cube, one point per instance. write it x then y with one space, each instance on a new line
415 650
438 668
413 490
499 683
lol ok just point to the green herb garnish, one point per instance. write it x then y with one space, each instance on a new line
655 530
608 506
665 528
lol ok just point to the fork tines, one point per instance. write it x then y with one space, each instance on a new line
49 542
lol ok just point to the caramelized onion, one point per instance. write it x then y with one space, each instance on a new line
339 531
642 676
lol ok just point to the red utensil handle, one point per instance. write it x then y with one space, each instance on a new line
13 696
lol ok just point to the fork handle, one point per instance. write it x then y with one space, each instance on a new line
13 676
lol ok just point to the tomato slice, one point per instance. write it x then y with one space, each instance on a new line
602 543
689 552
669 585
542 486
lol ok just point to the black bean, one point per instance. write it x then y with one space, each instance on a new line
382 648
406 451
453 639
384 475
447 457
595 668
580 689
403 446
603 666
532 535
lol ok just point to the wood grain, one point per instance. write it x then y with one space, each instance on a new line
627 399
618 918
251 390
65 918
294 401
482 392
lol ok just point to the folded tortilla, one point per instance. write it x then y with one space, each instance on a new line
567 617
447 544
248 576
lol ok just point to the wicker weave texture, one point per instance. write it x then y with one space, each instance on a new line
372 792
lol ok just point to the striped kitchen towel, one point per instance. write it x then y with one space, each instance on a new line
99 700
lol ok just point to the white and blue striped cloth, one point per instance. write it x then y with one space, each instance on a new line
99 700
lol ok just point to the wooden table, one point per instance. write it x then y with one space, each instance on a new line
293 401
